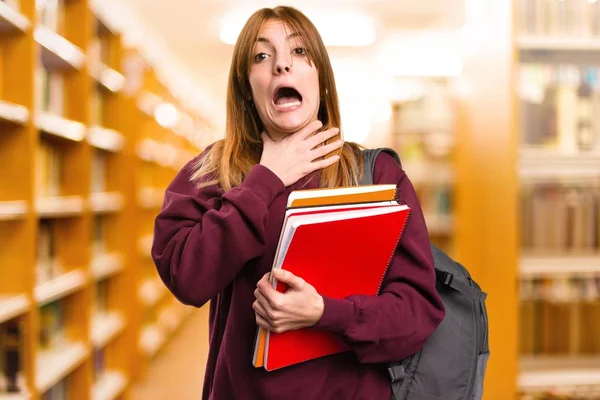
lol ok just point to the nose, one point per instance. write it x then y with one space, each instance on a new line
283 66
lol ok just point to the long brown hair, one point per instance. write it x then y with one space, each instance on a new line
230 159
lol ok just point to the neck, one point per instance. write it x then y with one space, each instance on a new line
277 136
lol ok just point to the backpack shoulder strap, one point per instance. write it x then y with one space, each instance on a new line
369 157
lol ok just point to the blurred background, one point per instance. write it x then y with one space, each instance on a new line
494 106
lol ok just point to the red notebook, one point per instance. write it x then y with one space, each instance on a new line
341 253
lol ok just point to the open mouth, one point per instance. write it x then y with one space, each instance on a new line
286 98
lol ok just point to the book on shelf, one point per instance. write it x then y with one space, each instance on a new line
94 48
12 357
98 242
340 241
435 199
56 392
48 265
559 18
99 162
559 106
50 13
560 218
100 304
52 333
97 106
560 315
48 172
99 359
49 90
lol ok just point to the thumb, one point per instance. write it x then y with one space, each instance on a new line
293 281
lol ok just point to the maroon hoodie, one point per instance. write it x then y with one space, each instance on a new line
211 245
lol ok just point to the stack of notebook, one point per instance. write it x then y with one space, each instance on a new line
340 241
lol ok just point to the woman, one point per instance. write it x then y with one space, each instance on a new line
216 235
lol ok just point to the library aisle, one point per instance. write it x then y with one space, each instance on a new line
178 370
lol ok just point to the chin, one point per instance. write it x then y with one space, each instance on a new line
290 125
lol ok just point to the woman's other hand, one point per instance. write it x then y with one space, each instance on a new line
294 157
299 307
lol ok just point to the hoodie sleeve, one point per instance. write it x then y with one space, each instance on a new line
203 237
396 323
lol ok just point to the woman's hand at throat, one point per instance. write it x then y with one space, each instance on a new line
299 307
293 157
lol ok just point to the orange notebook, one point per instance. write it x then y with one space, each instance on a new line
357 234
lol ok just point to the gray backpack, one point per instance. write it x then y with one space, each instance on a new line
452 363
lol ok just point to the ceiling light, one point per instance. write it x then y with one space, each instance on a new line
339 28
422 55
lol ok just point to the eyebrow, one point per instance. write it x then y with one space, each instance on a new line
290 36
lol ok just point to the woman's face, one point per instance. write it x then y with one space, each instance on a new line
285 85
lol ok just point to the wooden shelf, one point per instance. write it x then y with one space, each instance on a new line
108 78
63 107
11 112
543 373
61 206
110 386
541 164
106 202
60 127
15 396
12 20
106 265
150 198
10 210
57 52
105 139
13 306
151 291
559 265
147 103
60 286
105 327
145 245
147 149
558 43
55 364
169 318
152 338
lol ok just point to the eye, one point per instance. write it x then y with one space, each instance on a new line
260 57
300 51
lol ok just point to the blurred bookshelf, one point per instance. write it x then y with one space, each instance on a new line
558 91
423 131
82 310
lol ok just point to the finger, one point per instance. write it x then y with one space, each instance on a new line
260 321
272 296
287 277
321 137
264 302
266 278
260 310
328 148
315 165
308 130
